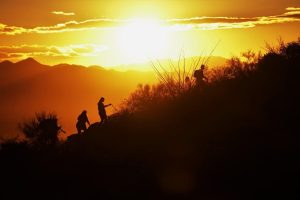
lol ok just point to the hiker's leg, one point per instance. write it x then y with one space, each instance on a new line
78 129
104 118
84 128
101 118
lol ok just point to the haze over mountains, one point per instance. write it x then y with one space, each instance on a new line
28 87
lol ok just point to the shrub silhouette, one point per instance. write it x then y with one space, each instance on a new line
42 130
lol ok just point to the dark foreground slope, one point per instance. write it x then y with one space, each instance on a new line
238 138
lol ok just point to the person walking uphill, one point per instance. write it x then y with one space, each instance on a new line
102 111
82 120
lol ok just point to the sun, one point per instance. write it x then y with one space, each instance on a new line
142 39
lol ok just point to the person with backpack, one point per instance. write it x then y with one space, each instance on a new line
200 77
82 119
102 111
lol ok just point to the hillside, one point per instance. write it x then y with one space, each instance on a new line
235 138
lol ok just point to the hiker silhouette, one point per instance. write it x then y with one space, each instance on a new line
82 119
102 111
199 76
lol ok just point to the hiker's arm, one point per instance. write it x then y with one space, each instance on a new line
107 105
62 130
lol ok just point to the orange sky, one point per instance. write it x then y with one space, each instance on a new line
116 32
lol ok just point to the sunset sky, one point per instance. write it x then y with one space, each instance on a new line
118 32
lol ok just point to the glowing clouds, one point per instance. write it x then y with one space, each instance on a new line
63 13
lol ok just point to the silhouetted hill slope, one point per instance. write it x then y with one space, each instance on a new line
27 87
236 138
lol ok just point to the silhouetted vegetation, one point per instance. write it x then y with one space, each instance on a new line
41 130
235 139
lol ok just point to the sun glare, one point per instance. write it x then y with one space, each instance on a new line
142 39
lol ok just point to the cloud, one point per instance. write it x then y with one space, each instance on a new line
24 51
217 23
196 23
12 56
205 19
292 9
292 12
91 24
11 30
62 13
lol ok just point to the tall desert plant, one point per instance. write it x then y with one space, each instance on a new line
177 75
